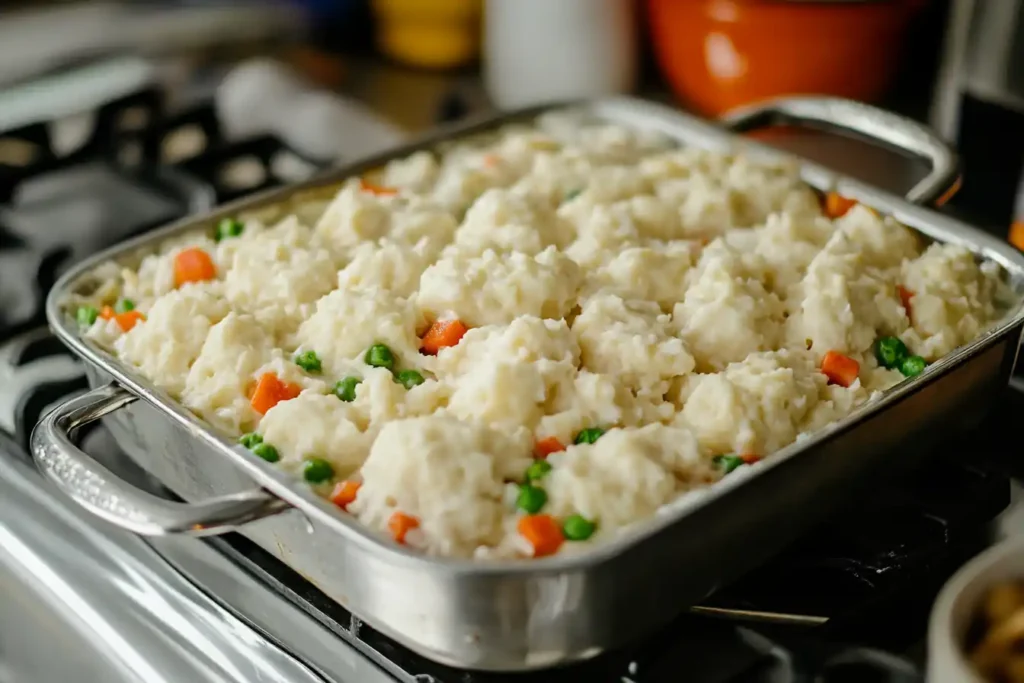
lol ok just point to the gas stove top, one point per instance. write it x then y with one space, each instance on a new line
848 603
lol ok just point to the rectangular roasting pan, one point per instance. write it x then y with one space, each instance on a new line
518 616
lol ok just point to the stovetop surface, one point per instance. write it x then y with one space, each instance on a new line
849 603
224 607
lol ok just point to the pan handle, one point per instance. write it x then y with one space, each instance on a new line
103 493
862 120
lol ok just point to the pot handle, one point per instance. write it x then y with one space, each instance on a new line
103 493
876 125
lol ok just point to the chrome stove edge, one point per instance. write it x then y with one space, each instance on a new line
119 613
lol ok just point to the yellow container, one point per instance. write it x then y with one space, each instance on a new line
432 34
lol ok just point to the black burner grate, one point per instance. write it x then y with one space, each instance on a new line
133 172
870 554
232 169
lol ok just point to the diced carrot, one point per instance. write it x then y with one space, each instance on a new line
127 320
344 493
270 391
491 160
379 190
290 391
107 313
545 447
193 265
840 369
905 296
750 458
542 532
1017 234
400 524
836 205
442 334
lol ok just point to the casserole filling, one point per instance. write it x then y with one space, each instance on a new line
524 343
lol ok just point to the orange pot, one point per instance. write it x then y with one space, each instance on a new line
720 54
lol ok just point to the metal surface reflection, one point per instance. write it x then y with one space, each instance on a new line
84 602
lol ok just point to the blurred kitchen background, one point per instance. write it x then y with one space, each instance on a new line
329 80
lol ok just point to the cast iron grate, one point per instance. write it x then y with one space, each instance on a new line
194 143
135 169
59 205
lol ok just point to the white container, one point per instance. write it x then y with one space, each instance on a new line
956 605
538 51
265 96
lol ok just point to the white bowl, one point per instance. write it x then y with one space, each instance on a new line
957 604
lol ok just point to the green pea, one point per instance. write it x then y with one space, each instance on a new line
124 305
317 470
310 362
578 528
912 366
228 227
589 435
409 378
266 451
537 470
251 439
345 389
531 499
727 463
890 352
86 315
380 356
571 195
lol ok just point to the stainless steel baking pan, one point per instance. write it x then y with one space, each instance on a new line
529 615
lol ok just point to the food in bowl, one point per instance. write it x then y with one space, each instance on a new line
523 343
996 640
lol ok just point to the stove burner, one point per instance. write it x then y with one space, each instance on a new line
35 372
35 150
194 142
58 206
246 167
133 172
